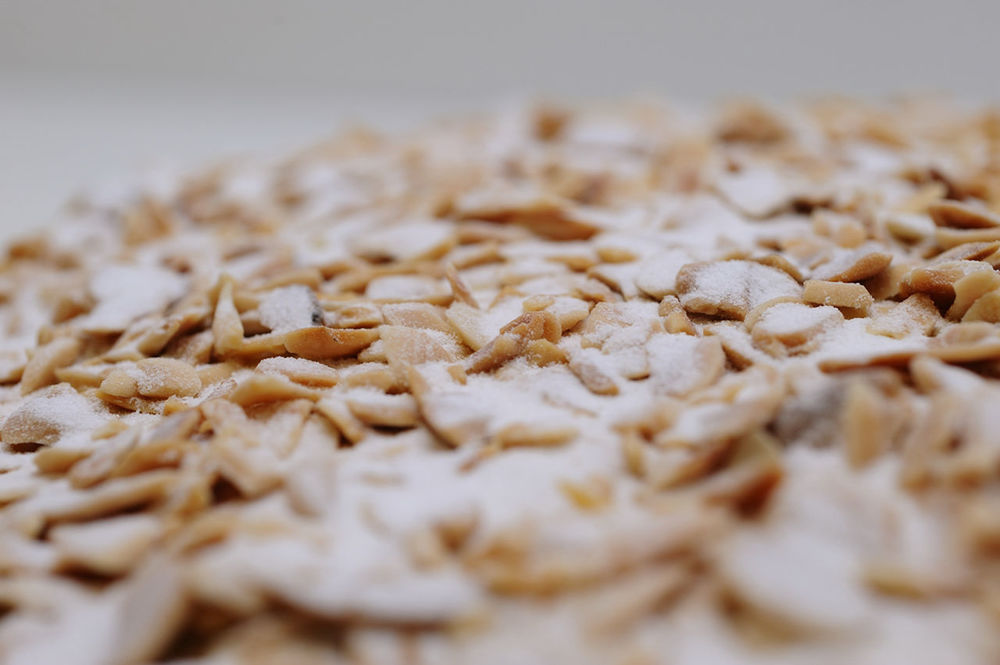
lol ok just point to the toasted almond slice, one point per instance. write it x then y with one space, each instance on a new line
381 410
533 435
258 346
12 366
866 435
586 365
837 294
259 388
970 251
916 315
458 287
545 216
300 370
213 373
107 547
793 324
321 343
540 352
781 262
949 237
731 288
923 197
590 494
227 328
675 319
357 315
413 346
44 417
111 497
986 308
938 279
153 611
513 339
40 371
853 266
888 283
120 383
337 412
962 215
164 377
502 348
909 227
969 289
418 315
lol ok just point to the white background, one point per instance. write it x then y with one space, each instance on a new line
92 88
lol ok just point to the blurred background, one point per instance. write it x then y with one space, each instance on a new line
90 90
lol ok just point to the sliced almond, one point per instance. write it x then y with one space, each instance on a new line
962 215
40 371
322 343
838 294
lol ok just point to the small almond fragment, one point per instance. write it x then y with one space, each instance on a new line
853 266
916 315
300 370
970 288
259 388
986 308
381 410
542 352
949 237
227 327
533 435
458 287
675 319
938 279
340 416
166 377
838 294
586 366
962 215
40 371
322 343
731 288
866 435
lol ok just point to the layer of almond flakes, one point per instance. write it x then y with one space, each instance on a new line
630 385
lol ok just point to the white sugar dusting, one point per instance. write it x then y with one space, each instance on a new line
288 308
126 292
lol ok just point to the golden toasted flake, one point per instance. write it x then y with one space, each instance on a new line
837 294
322 343
269 388
300 370
731 288
380 410
40 371
227 328
533 435
853 266
962 215
586 368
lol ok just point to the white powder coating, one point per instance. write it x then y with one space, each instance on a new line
56 415
410 240
790 321
404 287
756 191
126 292
289 308
732 288
657 275
397 487
680 363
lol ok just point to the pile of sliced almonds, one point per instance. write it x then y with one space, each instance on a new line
610 385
